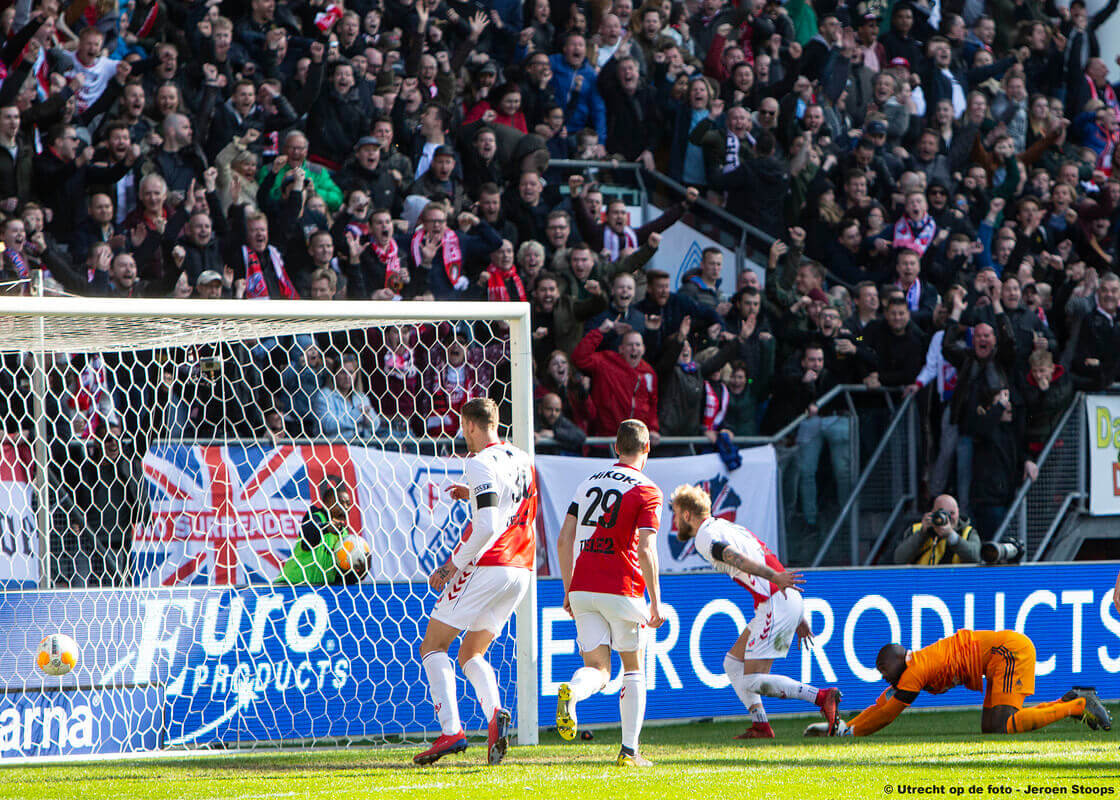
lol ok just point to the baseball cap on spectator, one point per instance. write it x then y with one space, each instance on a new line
366 140
899 61
489 68
818 296
443 150
877 128
208 276
869 17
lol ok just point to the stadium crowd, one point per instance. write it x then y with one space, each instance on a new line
937 179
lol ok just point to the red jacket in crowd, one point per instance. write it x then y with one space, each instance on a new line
618 390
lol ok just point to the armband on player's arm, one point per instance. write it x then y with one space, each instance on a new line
885 711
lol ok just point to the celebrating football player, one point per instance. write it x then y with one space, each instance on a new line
734 550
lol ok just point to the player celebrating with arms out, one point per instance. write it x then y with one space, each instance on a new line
734 550
615 516
1005 659
481 584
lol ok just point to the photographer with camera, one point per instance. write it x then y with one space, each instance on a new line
941 537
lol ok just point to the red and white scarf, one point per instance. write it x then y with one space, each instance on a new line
916 236
255 285
1109 93
91 396
715 404
452 255
389 255
498 287
614 243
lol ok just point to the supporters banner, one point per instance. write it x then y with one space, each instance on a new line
748 496
19 542
230 515
1103 415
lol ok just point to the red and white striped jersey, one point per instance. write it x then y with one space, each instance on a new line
501 481
610 507
714 530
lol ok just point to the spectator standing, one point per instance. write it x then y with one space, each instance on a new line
623 385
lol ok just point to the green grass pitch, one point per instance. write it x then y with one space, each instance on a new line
940 753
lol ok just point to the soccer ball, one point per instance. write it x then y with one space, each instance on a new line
58 654
352 556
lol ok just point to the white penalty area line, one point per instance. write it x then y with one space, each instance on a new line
243 796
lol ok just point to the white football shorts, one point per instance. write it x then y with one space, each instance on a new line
774 625
481 598
612 619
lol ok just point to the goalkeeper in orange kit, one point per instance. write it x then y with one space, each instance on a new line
1001 663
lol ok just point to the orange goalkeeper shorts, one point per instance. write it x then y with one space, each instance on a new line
1009 671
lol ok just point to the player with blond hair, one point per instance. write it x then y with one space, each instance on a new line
738 553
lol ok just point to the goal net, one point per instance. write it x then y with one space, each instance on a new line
159 464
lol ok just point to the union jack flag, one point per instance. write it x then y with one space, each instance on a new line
229 514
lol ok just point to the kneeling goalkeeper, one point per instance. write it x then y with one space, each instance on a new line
999 662
323 530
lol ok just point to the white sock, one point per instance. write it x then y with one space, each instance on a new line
733 668
440 673
632 705
485 683
758 713
585 682
769 685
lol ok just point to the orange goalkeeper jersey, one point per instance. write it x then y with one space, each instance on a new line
962 659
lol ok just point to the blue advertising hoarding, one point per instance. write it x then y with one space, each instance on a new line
193 666
1066 610
198 666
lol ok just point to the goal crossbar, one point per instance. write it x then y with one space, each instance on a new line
40 326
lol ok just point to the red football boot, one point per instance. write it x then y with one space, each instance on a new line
829 701
443 746
497 737
759 730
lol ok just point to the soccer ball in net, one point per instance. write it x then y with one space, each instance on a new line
352 556
58 654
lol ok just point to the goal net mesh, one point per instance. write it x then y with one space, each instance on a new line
172 491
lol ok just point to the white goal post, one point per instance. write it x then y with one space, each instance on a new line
218 424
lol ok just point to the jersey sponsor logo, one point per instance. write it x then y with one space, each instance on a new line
725 505
597 544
